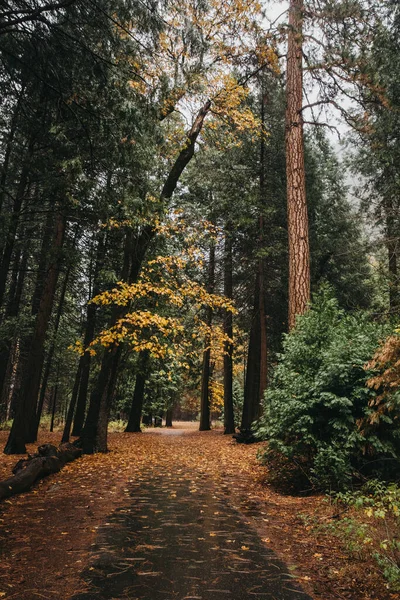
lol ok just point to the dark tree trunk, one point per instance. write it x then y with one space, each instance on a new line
18 264
25 343
11 379
20 432
205 413
299 251
8 149
229 418
147 420
49 361
256 372
168 417
261 267
12 230
43 261
83 383
135 414
94 433
392 245
85 361
53 406
263 334
12 309
257 366
251 403
72 404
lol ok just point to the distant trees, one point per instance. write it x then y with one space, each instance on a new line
377 148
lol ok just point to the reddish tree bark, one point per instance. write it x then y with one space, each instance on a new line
299 252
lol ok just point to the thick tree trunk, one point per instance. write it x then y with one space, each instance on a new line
84 374
168 417
135 414
20 432
94 432
43 260
256 372
24 344
205 413
229 418
299 252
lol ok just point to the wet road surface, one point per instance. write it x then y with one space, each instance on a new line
180 537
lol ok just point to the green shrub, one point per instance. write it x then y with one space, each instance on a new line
377 512
318 395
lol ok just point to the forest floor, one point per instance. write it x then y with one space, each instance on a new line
170 499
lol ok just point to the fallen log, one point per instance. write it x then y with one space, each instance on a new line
46 461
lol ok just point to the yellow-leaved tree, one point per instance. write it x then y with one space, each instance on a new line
166 312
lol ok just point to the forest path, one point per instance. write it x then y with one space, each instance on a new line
181 535
78 534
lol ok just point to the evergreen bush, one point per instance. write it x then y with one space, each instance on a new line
318 397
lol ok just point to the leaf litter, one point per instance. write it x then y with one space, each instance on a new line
47 534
